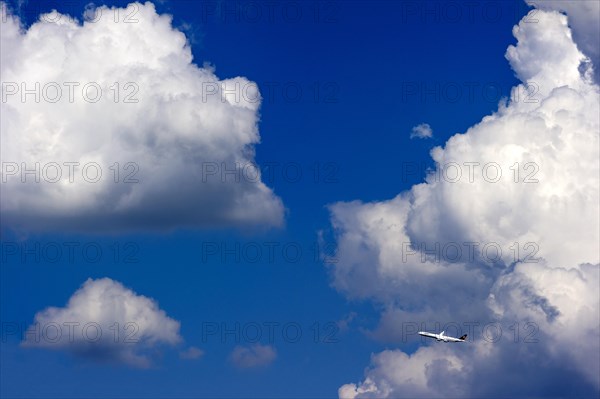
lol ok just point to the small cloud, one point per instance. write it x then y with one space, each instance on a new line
104 321
345 322
253 356
422 131
191 353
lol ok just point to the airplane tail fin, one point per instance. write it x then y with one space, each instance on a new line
464 337
442 333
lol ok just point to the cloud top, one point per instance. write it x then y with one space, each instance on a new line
121 131
104 321
523 181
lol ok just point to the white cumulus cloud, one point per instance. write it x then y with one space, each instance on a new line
123 131
584 19
393 371
104 321
421 131
524 182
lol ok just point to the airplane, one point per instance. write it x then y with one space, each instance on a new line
442 337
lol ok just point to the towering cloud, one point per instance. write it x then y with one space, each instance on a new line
506 229
584 19
109 125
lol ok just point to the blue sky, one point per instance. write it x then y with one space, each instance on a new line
369 63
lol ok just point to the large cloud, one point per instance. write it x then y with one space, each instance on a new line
182 134
421 255
106 322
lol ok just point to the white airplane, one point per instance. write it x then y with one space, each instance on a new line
442 337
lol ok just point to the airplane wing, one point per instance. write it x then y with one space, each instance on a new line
442 337
426 334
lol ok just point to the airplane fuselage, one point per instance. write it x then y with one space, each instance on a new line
442 337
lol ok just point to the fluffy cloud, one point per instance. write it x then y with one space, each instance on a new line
475 369
392 371
473 244
584 19
106 322
128 93
564 303
256 355
422 131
